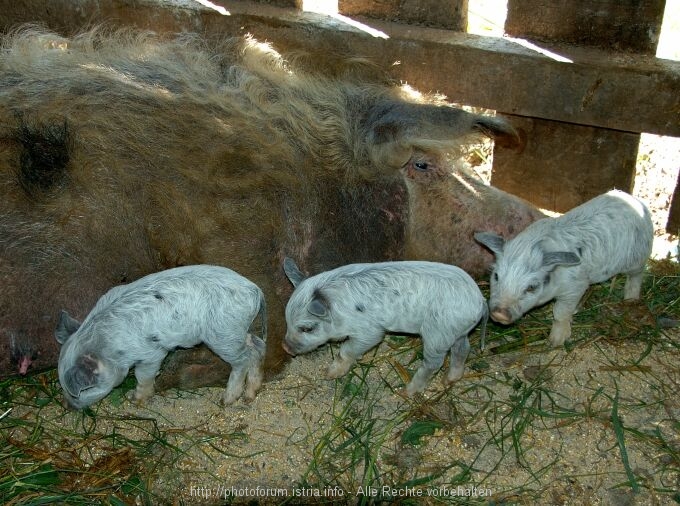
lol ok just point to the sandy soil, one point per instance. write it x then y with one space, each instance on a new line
531 426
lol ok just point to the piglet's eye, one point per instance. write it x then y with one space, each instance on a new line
495 276
421 165
531 288
306 329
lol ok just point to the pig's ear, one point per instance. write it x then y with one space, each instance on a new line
499 130
319 306
397 126
492 241
65 327
83 375
565 258
293 272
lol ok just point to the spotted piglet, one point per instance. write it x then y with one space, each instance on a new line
137 324
359 303
558 258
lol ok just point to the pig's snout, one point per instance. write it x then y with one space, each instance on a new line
501 315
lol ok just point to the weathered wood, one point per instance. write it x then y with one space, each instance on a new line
673 223
622 25
563 165
296 4
600 88
448 14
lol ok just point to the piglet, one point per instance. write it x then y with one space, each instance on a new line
558 258
359 303
137 324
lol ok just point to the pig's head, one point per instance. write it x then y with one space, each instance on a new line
309 315
522 277
85 375
446 203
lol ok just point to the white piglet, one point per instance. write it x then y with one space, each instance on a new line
559 258
137 324
359 303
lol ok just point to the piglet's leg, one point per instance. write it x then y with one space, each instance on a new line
433 358
631 290
563 310
145 373
459 353
351 351
254 375
235 383
240 358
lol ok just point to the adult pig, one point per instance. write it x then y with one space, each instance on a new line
137 324
124 154
359 303
558 258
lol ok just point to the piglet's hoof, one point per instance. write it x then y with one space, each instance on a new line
409 394
338 369
559 334
135 398
229 398
411 390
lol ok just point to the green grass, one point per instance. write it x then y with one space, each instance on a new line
506 426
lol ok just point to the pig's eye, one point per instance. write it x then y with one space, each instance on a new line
306 329
531 288
421 165
495 276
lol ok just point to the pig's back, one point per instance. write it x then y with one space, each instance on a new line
180 305
612 233
403 294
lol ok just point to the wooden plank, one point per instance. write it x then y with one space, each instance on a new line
564 165
673 223
597 88
448 14
621 25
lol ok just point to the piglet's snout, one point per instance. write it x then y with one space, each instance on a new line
501 315
287 348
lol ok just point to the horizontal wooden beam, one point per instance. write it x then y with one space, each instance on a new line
582 86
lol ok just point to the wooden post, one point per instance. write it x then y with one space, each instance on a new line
621 25
565 164
673 224
449 14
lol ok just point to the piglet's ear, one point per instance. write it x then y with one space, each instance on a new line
83 375
292 271
492 241
564 258
319 306
66 326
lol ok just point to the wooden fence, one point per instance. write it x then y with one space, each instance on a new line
579 77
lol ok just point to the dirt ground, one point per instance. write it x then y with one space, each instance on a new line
586 426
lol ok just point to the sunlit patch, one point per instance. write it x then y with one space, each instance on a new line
127 79
410 93
464 183
330 8
215 7
545 52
